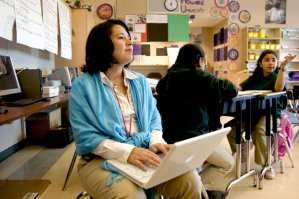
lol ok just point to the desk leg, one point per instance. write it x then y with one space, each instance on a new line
268 125
239 120
269 164
238 153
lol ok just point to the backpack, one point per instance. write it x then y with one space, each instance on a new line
288 132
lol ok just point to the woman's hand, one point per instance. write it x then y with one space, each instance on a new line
140 157
159 147
286 60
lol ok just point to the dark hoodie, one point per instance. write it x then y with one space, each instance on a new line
190 102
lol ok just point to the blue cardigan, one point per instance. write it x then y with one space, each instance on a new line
96 116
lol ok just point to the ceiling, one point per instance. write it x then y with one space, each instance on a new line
205 22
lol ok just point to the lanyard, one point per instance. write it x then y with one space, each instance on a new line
128 133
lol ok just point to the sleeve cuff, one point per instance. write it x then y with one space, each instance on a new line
156 137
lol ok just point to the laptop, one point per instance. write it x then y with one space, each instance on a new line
30 81
183 157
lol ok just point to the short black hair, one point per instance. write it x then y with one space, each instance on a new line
189 55
99 47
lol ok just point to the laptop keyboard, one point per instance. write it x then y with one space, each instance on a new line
22 102
140 175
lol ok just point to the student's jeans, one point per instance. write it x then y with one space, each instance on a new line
220 163
259 140
94 181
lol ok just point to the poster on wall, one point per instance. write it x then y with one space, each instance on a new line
275 11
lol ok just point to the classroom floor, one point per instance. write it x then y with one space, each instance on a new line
36 162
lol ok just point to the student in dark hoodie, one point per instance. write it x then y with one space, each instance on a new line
190 102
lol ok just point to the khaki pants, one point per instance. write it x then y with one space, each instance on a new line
259 139
94 179
221 162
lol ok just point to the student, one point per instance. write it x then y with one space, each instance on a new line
188 98
114 116
266 76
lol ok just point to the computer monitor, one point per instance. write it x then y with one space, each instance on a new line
9 83
74 73
63 75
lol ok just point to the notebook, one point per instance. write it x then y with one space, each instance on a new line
183 157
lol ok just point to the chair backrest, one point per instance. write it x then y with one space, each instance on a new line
288 132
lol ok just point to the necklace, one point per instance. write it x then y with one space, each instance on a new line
128 133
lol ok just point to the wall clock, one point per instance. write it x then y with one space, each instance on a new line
171 5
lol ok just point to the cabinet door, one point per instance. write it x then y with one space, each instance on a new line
82 23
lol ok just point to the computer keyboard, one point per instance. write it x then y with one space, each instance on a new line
22 102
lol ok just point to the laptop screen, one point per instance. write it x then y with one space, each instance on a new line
31 83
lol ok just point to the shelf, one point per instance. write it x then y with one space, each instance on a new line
264 39
290 39
260 50
290 49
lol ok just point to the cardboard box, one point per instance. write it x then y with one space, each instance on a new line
39 124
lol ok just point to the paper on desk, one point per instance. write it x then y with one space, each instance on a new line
253 92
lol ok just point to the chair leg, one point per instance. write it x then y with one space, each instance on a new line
288 149
70 170
82 195
296 134
204 193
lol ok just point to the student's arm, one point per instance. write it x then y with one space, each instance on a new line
280 82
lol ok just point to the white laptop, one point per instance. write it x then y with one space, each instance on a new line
183 157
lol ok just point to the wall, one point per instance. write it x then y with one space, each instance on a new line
22 57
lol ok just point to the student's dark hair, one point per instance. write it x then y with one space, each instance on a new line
189 55
99 47
258 72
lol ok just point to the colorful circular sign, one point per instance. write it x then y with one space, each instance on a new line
233 28
233 54
105 11
214 12
234 40
221 3
244 16
233 6
233 17
223 12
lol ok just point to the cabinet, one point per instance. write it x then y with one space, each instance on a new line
290 44
283 41
82 22
258 39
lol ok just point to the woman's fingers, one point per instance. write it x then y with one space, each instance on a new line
140 157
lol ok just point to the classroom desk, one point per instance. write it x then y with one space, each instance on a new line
269 104
236 106
15 113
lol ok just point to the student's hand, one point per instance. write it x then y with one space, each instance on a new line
160 147
286 60
140 156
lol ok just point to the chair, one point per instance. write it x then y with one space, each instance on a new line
70 171
293 104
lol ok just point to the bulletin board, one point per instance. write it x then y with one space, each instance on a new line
178 27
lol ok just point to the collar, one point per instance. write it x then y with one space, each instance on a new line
127 75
